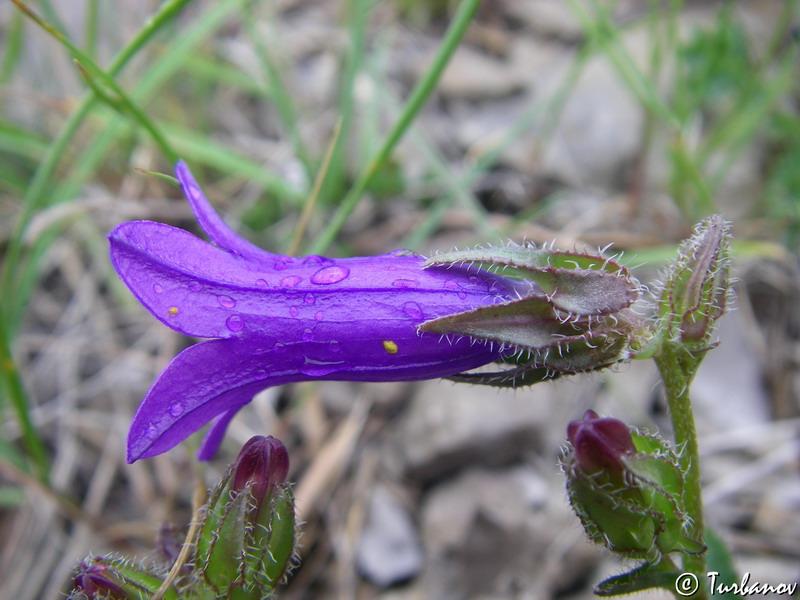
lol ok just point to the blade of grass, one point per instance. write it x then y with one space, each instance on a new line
92 21
12 383
40 191
21 142
308 208
356 12
419 96
37 192
602 31
94 75
13 46
284 103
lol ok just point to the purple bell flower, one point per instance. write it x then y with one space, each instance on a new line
275 319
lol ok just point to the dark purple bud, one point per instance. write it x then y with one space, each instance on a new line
95 579
600 443
264 463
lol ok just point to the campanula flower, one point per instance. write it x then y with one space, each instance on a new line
275 319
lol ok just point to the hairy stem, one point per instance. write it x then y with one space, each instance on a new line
678 367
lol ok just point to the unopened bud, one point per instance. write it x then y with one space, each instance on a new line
627 489
247 537
115 579
600 444
696 291
263 463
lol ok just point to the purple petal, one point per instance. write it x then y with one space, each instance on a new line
212 440
216 378
212 223
203 291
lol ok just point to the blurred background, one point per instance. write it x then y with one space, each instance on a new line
583 122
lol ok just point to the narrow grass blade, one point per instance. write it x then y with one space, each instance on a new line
416 101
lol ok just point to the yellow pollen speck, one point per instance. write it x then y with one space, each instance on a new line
390 346
173 310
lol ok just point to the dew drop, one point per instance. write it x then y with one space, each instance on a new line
176 410
405 283
462 295
152 432
318 368
261 282
157 288
329 275
334 346
319 315
451 284
195 287
313 259
282 264
293 311
234 323
226 301
413 310
291 281
308 335
309 299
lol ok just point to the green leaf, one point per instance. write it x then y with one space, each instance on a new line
660 575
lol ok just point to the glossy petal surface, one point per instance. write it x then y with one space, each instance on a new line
277 319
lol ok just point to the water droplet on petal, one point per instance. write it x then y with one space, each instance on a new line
293 311
157 288
313 259
261 282
309 299
462 295
235 323
176 410
318 368
451 284
329 275
308 335
283 263
413 310
334 346
319 315
405 283
291 281
195 287
152 432
226 301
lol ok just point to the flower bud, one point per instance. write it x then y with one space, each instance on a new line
115 579
696 290
600 444
247 536
627 489
263 463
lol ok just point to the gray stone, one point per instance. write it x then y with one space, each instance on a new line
389 550
449 426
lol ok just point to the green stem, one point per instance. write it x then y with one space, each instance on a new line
678 367
419 96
